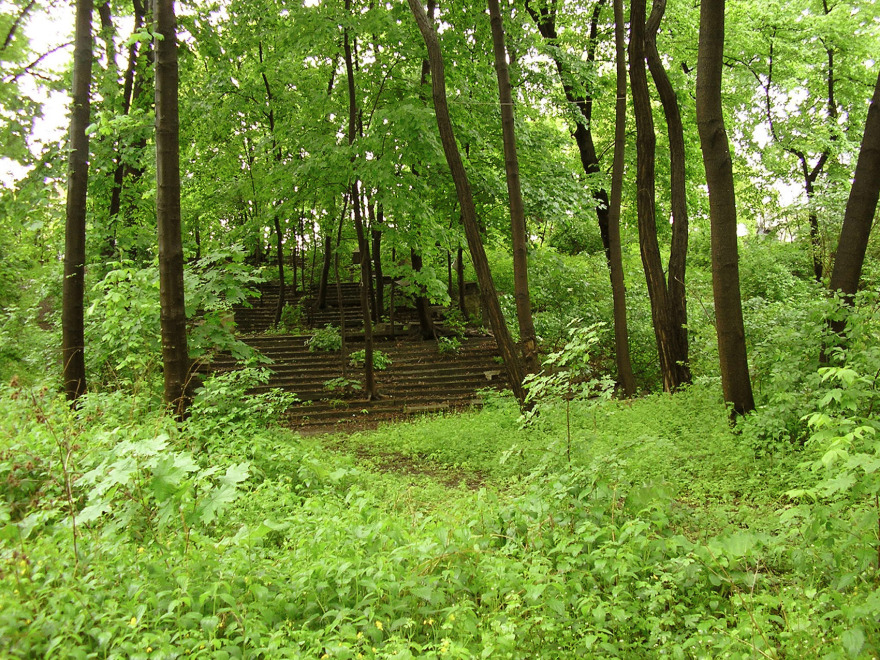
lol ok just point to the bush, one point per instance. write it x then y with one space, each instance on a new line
381 361
325 339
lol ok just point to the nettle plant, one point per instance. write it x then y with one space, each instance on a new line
148 488
567 376
381 361
325 339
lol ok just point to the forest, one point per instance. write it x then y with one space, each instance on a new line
362 329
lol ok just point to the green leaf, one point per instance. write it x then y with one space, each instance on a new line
235 474
853 640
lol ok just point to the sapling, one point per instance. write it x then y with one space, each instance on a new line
567 376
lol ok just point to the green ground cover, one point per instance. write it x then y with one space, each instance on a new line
666 535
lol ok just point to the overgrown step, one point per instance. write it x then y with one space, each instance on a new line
419 380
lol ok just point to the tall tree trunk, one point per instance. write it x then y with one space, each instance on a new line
376 234
321 302
73 289
128 89
676 294
175 357
459 276
735 379
423 307
466 203
279 241
860 209
545 19
276 155
369 373
615 262
646 139
528 338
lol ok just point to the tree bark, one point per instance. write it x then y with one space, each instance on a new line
376 235
732 354
676 294
279 241
527 335
321 302
661 315
128 89
423 307
73 290
466 203
615 262
860 209
175 357
369 373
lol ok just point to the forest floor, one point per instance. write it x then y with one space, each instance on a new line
654 530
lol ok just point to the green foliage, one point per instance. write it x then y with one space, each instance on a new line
224 401
325 339
150 490
448 345
122 322
567 376
293 317
381 361
342 385
661 538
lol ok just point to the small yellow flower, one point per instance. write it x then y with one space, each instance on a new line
428 622
141 551
379 625
325 656
133 621
451 618
149 649
360 635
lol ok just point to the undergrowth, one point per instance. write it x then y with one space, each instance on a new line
125 534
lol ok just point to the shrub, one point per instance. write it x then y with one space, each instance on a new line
381 361
325 339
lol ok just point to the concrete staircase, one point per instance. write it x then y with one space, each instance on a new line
420 379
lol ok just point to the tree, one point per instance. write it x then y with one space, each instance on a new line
732 354
466 202
618 289
665 313
860 210
545 18
175 356
363 246
72 325
675 289
514 191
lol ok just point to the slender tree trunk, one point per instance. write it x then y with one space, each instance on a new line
860 209
735 379
459 275
73 290
646 140
128 89
528 338
466 202
279 241
376 234
369 373
618 289
545 19
676 294
321 302
423 307
175 357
